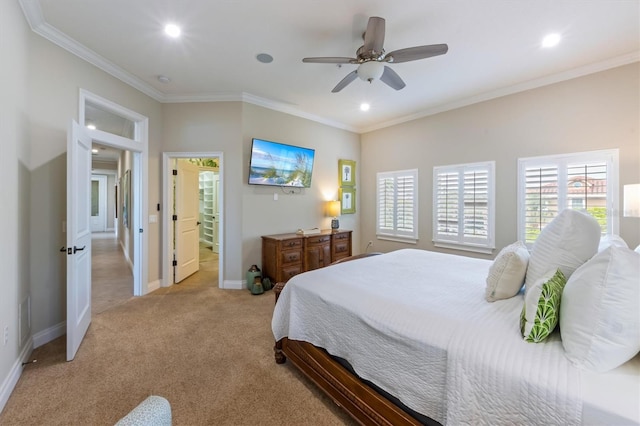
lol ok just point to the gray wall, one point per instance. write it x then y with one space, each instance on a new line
598 111
250 211
304 209
51 107
15 192
213 127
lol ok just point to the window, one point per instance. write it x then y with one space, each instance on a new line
586 181
464 206
397 205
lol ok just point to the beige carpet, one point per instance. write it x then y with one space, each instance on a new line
208 351
111 276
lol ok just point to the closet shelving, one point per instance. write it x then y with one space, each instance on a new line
207 235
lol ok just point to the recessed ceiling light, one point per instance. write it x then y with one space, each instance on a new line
364 106
551 40
91 126
172 30
164 79
265 58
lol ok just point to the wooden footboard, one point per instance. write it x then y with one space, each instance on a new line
362 402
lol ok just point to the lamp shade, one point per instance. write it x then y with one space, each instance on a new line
632 200
333 208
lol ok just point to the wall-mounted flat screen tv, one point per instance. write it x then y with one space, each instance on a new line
277 164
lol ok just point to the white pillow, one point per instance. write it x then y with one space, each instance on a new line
541 309
611 240
507 272
600 314
568 241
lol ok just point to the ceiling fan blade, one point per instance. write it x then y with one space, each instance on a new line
392 79
331 60
374 35
415 53
345 81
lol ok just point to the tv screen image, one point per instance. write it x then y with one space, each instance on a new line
277 164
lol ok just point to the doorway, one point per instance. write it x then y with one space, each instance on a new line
80 137
98 203
117 128
209 243
111 267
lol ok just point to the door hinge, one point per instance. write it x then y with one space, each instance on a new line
175 172
174 217
175 263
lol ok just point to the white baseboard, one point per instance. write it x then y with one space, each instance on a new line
234 284
126 255
154 285
9 383
47 335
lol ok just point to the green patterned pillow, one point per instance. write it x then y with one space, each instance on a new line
541 309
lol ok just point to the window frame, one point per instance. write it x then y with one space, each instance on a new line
459 241
395 234
561 161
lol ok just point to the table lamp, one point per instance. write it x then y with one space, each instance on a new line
333 210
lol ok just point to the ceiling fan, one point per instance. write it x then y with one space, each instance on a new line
371 57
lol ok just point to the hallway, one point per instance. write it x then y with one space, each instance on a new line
112 279
111 276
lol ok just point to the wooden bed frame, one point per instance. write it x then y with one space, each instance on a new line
361 401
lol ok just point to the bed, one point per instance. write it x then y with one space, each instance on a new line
407 337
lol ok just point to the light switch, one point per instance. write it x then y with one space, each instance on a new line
275 196
153 218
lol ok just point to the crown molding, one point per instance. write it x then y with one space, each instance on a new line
516 88
35 18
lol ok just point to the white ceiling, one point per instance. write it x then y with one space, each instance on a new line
494 49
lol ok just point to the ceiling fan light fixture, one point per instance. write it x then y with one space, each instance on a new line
551 40
172 30
370 70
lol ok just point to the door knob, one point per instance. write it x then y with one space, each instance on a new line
197 223
75 249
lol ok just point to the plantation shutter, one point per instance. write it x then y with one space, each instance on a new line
541 199
397 199
582 181
476 203
463 206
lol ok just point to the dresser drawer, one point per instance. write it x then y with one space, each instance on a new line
342 236
290 244
290 271
341 248
291 257
319 239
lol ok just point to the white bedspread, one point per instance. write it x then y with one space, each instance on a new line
416 323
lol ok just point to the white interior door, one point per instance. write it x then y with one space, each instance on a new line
78 237
187 233
98 203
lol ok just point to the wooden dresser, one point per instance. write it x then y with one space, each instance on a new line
285 255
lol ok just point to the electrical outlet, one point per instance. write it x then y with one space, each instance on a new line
6 334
